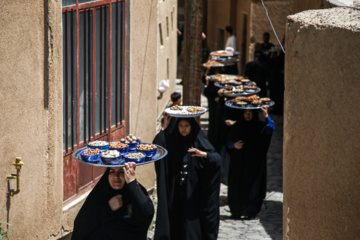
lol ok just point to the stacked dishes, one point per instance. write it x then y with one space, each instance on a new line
185 111
249 102
103 153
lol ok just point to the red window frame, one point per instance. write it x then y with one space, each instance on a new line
79 178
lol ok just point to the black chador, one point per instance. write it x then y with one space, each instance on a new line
96 220
247 172
188 187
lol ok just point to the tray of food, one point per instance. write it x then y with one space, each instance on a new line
241 90
233 82
185 111
224 53
249 102
211 63
221 62
225 78
119 153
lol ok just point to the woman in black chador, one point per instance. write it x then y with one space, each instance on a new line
188 183
248 144
117 208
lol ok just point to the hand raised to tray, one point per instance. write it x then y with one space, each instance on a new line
129 171
264 110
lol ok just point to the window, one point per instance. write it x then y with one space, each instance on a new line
160 33
94 95
167 26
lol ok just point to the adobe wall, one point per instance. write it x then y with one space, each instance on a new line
167 50
278 11
321 125
31 116
142 78
302 5
218 17
243 11
31 110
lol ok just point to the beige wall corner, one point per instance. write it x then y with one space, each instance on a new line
143 75
278 11
31 116
166 50
217 19
321 150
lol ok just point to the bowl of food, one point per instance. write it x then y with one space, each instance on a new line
132 141
265 100
91 155
102 145
148 149
137 157
111 157
121 147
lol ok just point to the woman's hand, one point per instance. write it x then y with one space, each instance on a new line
207 70
167 119
220 93
239 144
197 153
207 78
264 110
230 122
129 171
116 202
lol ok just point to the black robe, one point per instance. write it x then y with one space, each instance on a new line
188 209
247 173
276 83
226 114
215 134
96 220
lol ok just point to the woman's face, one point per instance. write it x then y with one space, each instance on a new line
184 128
116 178
248 115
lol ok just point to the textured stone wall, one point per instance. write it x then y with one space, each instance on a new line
302 5
278 11
321 125
167 51
218 17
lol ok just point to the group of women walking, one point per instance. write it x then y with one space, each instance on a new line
188 180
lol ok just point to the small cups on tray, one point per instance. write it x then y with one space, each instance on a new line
148 149
118 153
102 145
91 155
111 157
136 157
123 148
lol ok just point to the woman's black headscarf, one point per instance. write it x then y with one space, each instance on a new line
86 220
247 172
189 208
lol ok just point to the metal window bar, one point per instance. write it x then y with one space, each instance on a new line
66 84
85 76
101 67
109 82
72 81
72 78
121 65
116 64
